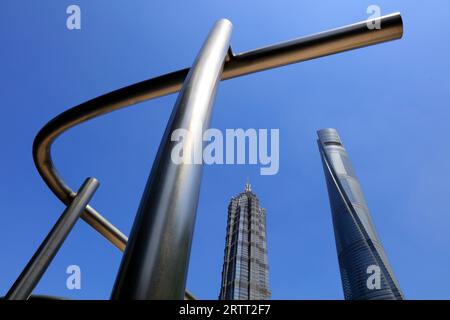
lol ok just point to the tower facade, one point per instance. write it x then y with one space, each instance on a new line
245 273
365 270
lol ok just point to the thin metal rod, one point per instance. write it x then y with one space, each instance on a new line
156 258
38 264
330 42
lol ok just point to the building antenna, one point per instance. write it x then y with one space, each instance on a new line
248 186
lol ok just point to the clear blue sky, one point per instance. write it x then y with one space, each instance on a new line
390 104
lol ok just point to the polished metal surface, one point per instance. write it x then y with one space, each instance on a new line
346 38
32 273
156 258
334 41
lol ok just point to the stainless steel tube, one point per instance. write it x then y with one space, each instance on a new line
334 41
30 276
156 258
342 39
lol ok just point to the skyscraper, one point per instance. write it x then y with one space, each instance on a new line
365 270
245 274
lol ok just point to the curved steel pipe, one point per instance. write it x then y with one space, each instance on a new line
326 43
156 259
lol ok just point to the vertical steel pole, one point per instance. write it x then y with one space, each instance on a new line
38 264
156 258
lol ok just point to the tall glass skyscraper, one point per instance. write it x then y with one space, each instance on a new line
365 270
245 274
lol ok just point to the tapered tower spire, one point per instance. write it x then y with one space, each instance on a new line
365 270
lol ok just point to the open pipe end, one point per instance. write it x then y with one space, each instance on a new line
393 21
